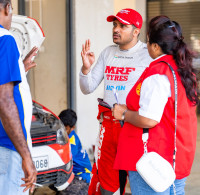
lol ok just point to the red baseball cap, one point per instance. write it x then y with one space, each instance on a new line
127 16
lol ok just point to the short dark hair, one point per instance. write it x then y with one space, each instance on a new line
5 2
68 117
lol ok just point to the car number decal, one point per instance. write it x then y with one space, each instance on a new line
41 163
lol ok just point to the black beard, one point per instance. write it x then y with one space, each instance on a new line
116 34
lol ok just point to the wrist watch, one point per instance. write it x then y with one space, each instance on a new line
123 115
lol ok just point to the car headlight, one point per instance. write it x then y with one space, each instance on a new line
69 165
62 137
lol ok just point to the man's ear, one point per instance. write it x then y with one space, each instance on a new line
7 9
136 32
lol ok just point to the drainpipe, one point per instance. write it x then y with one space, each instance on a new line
71 65
21 7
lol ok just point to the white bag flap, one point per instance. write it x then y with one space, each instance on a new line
156 171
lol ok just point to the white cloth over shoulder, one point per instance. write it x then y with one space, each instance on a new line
154 95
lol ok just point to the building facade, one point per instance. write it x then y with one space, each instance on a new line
67 24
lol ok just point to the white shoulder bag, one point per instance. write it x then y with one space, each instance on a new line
154 169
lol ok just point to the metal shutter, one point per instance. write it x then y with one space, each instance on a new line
185 12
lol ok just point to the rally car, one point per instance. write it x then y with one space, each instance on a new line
51 150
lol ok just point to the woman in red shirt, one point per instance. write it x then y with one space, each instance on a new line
150 104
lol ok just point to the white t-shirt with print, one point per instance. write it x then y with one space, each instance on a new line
120 69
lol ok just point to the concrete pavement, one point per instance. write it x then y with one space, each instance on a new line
193 181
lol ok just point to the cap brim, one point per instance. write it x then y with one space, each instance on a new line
112 18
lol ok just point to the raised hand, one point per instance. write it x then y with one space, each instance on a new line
88 57
28 63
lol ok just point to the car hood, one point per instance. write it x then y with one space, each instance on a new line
27 33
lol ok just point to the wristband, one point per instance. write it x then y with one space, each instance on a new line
123 115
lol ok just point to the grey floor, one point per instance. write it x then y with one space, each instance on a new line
193 181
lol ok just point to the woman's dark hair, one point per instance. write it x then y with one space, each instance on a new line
168 35
68 117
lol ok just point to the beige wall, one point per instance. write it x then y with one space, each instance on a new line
48 79
119 4
15 6
90 22
140 6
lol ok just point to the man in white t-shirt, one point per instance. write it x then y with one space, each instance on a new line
120 66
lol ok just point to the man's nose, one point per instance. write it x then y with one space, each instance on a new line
116 29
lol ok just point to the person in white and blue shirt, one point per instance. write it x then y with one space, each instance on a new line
17 171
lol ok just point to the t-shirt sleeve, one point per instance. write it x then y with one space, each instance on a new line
154 95
9 60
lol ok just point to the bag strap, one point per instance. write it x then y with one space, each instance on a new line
145 134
